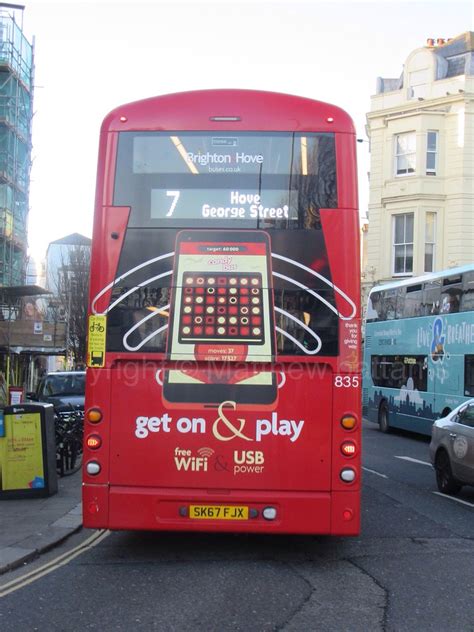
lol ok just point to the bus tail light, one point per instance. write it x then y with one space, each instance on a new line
348 422
94 415
348 448
93 468
93 442
347 475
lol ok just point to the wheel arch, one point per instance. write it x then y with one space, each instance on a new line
441 448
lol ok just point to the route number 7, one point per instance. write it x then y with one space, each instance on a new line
175 195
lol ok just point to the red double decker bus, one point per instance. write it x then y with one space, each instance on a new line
223 388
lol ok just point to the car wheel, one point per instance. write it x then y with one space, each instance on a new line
445 480
384 426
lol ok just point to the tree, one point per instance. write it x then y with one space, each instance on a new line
72 290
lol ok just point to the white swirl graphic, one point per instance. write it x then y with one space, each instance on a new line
157 312
123 276
305 327
319 276
277 309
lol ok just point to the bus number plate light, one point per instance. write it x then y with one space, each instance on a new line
269 513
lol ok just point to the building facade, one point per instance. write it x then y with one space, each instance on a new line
421 131
60 259
16 111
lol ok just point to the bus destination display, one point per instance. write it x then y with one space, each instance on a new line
224 204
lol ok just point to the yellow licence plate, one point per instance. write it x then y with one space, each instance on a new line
218 512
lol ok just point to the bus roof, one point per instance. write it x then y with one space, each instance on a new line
430 276
245 109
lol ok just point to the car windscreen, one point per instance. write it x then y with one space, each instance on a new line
56 385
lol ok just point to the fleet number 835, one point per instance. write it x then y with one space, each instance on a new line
346 381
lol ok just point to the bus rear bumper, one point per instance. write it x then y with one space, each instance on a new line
132 508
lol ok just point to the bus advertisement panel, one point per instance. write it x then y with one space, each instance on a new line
224 394
418 351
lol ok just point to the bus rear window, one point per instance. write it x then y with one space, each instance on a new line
249 180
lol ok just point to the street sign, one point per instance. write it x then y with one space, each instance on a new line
96 341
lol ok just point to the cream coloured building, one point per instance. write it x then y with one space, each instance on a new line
421 131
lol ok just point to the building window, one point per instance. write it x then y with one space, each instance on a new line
431 153
418 81
430 231
405 154
403 244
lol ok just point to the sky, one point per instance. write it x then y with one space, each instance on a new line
94 55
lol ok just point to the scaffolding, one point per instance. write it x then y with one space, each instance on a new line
16 110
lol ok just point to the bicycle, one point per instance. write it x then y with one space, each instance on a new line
69 435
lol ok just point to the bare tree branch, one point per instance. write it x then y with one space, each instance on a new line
72 288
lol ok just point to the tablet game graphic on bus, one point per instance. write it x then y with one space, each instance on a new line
221 307
222 311
222 297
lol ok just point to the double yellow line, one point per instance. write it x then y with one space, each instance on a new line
96 538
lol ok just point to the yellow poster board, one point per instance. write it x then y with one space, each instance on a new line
96 341
21 453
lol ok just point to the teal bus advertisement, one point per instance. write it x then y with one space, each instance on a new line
419 350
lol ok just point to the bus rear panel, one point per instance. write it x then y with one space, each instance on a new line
223 385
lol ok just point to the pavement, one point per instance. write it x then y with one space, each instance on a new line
32 526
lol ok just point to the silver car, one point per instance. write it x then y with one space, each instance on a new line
452 449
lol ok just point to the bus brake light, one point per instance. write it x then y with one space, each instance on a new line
348 448
93 442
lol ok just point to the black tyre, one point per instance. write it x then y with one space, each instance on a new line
71 458
445 480
384 426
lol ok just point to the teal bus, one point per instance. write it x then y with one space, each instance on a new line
419 349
